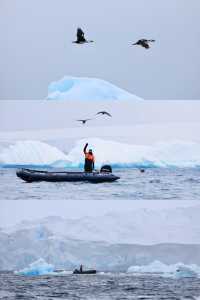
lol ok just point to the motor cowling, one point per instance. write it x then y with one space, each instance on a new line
106 169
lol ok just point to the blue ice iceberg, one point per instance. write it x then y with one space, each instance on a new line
78 88
185 272
38 267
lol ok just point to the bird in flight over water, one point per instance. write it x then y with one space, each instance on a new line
80 37
103 112
144 43
83 121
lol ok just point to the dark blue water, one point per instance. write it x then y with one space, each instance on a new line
91 287
154 183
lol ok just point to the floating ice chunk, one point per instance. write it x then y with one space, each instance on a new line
39 267
78 88
185 272
178 270
154 267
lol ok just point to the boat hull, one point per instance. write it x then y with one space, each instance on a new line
85 272
36 175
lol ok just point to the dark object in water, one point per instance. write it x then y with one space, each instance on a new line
84 272
94 177
142 170
106 169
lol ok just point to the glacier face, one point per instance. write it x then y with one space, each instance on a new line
167 225
79 88
164 154
20 250
114 241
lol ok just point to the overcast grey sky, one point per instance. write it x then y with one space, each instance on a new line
12 212
36 48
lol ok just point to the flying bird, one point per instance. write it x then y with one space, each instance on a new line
103 112
83 121
80 37
144 43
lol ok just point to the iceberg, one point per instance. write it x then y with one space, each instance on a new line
154 267
178 270
186 272
170 154
181 154
38 267
78 88
30 153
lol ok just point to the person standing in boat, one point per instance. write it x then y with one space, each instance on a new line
89 159
81 268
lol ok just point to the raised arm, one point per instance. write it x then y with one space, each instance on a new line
85 148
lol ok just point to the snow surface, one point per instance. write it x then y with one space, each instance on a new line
78 88
162 154
178 270
38 267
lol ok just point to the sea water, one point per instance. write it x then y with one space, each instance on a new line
154 183
116 286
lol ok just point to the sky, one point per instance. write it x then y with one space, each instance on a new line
36 46
12 212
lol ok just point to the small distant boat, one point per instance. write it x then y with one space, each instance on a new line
84 272
104 175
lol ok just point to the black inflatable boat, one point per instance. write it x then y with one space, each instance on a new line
84 272
105 175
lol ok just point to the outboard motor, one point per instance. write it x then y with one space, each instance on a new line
106 169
